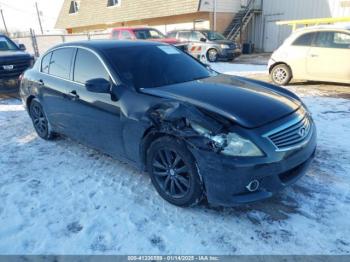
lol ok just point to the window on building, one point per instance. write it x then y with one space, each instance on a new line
60 64
88 66
113 3
304 40
74 7
45 63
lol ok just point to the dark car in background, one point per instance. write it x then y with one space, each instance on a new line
196 132
218 47
13 60
144 33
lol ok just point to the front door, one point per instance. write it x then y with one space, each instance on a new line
98 117
329 57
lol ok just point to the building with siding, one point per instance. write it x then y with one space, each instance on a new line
93 15
267 36
241 20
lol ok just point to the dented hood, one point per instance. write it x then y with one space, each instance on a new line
248 103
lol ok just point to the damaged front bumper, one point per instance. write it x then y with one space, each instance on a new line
226 178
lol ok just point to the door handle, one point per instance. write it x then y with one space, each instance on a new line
313 55
73 95
40 82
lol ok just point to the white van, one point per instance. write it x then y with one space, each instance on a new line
319 53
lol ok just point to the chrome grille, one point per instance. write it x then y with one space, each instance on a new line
18 67
292 134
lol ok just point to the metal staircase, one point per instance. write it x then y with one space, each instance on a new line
241 20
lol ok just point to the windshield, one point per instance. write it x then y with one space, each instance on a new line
212 36
6 44
154 66
148 34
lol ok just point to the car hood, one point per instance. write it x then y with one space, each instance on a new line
222 42
5 55
248 103
171 41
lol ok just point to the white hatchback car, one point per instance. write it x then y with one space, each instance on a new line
319 53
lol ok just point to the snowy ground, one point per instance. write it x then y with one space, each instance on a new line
63 198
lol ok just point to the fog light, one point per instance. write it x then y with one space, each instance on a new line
253 185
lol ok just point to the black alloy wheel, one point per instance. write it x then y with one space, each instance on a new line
173 172
39 119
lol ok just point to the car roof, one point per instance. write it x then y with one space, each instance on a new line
324 27
100 45
131 28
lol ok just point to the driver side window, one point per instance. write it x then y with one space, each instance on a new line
88 66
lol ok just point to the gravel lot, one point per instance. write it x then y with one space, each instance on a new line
61 197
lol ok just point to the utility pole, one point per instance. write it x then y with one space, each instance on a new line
39 19
3 20
215 13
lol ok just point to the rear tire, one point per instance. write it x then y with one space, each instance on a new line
39 119
173 172
281 74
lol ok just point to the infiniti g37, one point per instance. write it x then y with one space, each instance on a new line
199 134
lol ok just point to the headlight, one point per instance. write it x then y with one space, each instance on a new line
225 46
231 144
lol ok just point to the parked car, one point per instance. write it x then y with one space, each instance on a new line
144 33
197 132
13 59
217 46
319 53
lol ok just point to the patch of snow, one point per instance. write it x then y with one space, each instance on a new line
239 69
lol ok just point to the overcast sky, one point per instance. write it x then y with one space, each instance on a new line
21 14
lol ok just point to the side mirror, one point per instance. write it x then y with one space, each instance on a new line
203 39
98 85
22 47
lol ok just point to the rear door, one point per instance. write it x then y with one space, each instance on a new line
55 79
97 117
329 57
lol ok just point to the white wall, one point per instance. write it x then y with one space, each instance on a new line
268 36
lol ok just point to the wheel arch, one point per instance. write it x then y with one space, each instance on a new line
280 63
153 134
29 100
150 135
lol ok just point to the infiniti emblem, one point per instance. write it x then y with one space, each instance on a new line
302 132
8 67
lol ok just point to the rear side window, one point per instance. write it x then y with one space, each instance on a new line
115 34
45 63
172 35
61 61
88 66
125 35
185 35
304 40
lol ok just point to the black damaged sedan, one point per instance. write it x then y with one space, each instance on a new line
196 132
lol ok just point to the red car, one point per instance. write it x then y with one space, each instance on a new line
141 33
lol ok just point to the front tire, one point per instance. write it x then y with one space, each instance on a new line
281 74
39 120
173 172
212 55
